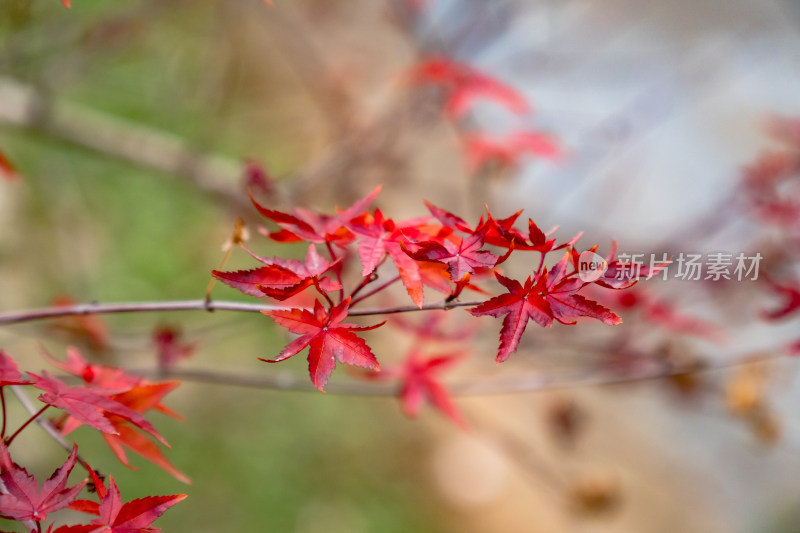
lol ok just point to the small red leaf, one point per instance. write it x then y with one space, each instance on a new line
791 295
141 445
464 86
421 383
461 259
129 396
306 225
379 237
256 178
169 347
9 372
282 278
21 498
134 516
7 170
519 305
88 406
552 295
328 339
248 281
507 151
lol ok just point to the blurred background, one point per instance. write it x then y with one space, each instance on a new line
131 126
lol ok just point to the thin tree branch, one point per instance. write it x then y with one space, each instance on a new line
27 106
464 388
34 416
373 291
94 308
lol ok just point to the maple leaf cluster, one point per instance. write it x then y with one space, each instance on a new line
463 87
440 251
110 401
770 184
770 189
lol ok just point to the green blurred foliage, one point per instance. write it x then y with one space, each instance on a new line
96 228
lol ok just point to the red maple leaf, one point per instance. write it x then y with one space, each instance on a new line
134 393
169 346
770 187
141 445
462 257
281 278
565 305
507 151
791 294
7 169
464 86
110 379
501 232
378 237
136 516
141 399
420 384
256 178
278 282
543 298
90 329
20 497
328 338
309 226
437 277
448 219
9 372
520 304
89 406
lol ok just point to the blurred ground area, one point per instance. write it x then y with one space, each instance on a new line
658 104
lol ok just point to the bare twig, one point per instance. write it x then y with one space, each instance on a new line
529 383
94 308
26 106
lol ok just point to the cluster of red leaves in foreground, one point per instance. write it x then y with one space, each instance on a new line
111 402
440 251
